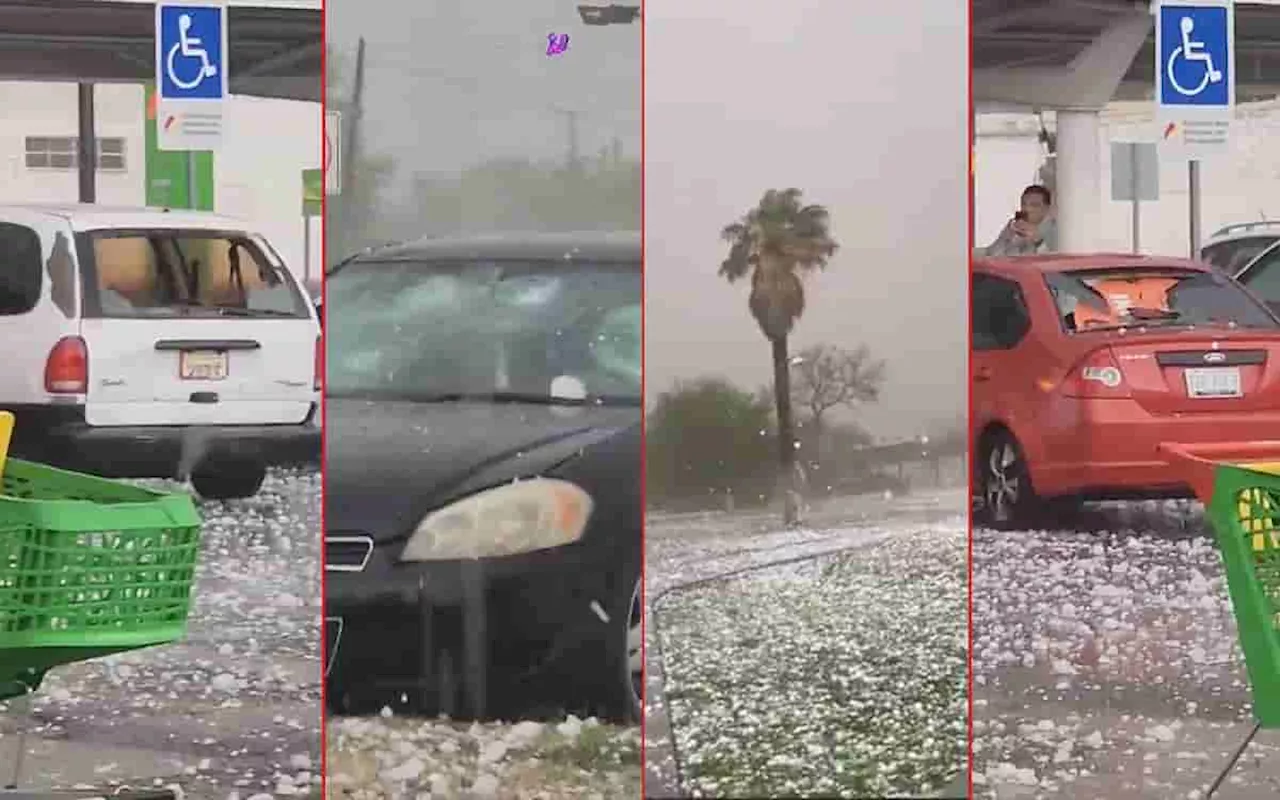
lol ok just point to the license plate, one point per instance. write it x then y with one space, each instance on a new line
202 365
1213 382
332 638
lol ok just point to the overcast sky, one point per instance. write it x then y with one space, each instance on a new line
867 113
450 82
864 111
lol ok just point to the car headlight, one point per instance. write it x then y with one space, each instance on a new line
516 518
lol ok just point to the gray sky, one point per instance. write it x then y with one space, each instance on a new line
451 82
832 97
867 112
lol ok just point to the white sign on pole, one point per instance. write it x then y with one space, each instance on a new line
1135 179
1195 75
191 73
332 152
1135 172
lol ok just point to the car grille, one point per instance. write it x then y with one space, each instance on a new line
347 553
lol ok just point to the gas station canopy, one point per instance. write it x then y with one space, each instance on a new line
275 50
1050 33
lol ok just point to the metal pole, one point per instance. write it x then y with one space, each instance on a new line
1137 204
87 157
1193 194
306 247
191 180
1137 225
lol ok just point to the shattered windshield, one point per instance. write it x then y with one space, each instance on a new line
528 331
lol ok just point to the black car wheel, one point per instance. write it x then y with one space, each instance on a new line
621 690
229 479
1006 497
635 651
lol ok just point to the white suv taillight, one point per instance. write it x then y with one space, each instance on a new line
66 371
319 379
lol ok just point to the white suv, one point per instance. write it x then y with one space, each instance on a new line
145 343
1232 248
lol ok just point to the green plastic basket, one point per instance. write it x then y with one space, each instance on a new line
88 567
1245 513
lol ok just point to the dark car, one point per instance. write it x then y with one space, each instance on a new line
1262 276
483 506
315 290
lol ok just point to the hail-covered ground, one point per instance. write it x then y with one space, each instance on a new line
1106 662
371 758
839 675
231 711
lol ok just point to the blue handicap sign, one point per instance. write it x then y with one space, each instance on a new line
190 62
1195 59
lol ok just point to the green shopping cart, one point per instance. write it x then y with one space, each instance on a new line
1239 484
88 567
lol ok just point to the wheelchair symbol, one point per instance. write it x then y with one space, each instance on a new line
190 48
1191 50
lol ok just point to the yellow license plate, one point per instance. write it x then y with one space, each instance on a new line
203 365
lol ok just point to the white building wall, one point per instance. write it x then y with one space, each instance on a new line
258 173
1239 186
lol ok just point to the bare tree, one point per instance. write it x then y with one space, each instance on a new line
827 376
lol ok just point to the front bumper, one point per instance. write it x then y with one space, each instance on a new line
1122 451
464 636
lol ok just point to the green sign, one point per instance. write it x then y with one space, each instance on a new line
312 192
170 173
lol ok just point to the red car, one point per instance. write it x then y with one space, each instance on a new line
1083 367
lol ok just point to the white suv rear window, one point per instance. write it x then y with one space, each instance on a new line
168 273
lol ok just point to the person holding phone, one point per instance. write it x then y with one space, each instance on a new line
1032 229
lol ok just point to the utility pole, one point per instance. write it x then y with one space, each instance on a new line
571 116
350 213
353 118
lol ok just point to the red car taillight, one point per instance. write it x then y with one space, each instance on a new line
66 370
1097 375
319 379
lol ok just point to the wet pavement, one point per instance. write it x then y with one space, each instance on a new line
235 707
1106 662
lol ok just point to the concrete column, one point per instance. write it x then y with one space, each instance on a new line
1079 179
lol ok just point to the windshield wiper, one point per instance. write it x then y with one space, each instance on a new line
531 398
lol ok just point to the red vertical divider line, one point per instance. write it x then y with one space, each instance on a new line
324 418
968 335
644 413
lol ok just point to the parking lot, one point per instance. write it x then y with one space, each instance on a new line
234 709
1106 661
812 678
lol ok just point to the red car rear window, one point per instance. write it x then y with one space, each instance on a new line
1106 299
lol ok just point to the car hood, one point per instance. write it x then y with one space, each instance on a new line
389 463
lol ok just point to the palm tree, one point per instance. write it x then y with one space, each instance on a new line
779 242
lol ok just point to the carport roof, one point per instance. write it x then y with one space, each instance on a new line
1050 33
276 49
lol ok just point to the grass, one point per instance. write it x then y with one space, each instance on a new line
842 677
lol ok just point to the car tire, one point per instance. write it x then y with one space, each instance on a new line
1006 498
228 479
622 690
337 702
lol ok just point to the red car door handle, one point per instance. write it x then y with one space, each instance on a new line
982 374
